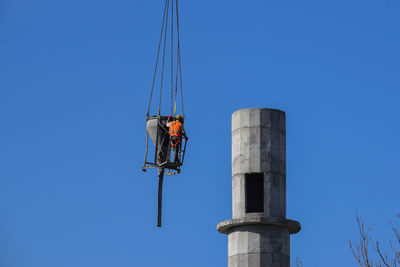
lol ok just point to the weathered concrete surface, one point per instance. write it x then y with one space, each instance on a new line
257 245
259 146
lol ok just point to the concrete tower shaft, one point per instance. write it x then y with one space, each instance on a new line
259 147
259 233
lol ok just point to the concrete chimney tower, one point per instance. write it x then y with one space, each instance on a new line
259 233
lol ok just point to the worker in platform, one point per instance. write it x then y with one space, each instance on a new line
176 131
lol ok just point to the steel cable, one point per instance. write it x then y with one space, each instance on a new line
163 61
172 54
158 55
179 55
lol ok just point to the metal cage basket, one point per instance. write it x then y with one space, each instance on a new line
156 128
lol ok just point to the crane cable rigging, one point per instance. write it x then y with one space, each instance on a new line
163 40
158 126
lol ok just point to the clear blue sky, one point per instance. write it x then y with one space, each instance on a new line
75 79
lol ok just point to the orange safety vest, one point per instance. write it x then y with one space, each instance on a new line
175 129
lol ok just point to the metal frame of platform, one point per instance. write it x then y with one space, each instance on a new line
172 167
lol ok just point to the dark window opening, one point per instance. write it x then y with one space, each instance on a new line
254 184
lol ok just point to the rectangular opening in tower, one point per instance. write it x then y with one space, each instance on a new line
254 184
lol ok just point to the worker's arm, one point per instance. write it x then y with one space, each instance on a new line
184 132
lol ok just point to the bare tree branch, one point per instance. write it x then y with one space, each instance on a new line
396 252
361 252
361 249
385 259
356 253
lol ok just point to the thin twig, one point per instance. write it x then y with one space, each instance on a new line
385 259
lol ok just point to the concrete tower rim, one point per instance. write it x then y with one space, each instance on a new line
259 108
225 227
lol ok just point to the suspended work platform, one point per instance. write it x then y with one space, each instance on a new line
156 128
